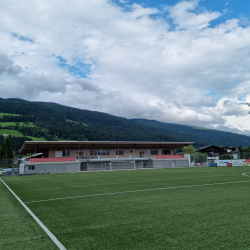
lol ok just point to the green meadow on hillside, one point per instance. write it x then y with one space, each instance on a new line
24 124
11 132
19 134
8 114
37 138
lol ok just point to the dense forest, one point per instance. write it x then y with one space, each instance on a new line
52 121
201 136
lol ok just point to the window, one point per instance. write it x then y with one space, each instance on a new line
119 152
166 152
58 153
93 152
66 153
103 152
99 152
31 167
80 155
154 151
131 151
141 153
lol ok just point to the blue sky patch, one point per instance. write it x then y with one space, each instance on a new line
212 92
79 69
229 9
22 38
242 98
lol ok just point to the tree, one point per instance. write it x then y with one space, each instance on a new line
247 149
188 149
226 157
8 148
195 156
202 157
2 149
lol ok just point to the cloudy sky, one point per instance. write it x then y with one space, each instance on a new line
185 62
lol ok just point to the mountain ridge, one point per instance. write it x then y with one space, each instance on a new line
53 121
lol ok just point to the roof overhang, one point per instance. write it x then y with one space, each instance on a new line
32 146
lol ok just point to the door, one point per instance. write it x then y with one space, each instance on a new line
83 166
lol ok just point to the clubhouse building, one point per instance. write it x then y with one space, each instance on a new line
76 156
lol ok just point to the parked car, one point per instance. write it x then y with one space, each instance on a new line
6 171
16 170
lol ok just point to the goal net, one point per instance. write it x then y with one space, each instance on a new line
119 165
98 166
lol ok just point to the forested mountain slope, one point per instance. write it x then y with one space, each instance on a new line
51 121
201 136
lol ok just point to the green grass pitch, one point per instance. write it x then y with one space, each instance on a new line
168 209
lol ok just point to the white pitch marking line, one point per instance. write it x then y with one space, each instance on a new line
134 191
246 174
47 231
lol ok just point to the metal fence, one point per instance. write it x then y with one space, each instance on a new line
127 165
171 164
244 155
198 159
79 166
8 167
239 155
9 172
102 166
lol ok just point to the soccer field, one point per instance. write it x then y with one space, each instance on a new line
189 208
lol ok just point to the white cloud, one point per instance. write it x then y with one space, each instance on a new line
184 18
7 67
138 65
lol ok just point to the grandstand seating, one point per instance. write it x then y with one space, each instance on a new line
158 157
55 159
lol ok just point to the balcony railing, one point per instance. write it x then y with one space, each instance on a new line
112 157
